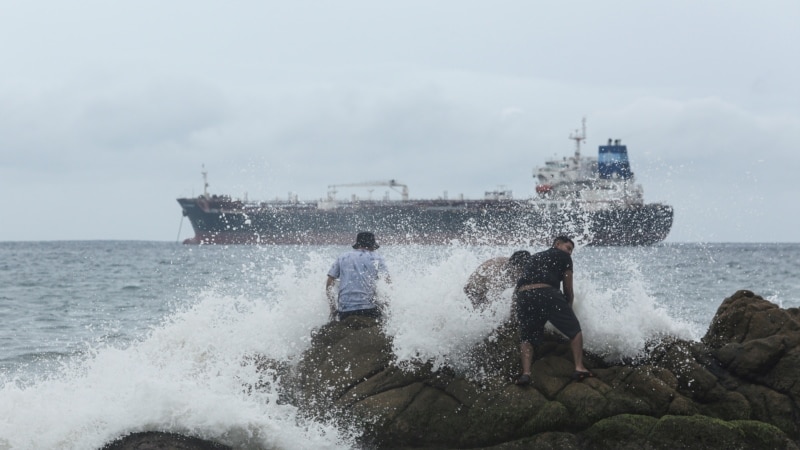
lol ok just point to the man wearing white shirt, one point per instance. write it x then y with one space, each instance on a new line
358 272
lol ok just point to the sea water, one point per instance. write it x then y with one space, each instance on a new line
101 339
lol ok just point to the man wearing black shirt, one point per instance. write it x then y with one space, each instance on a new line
539 300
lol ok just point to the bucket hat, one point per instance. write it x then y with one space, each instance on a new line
365 239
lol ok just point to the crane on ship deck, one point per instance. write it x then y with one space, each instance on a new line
393 184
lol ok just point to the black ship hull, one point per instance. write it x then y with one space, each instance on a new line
219 220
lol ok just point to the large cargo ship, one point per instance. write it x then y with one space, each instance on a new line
593 199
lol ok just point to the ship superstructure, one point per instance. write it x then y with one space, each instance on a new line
596 183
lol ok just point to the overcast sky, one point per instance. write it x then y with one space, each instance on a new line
108 110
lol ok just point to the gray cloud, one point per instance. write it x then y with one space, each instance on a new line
118 105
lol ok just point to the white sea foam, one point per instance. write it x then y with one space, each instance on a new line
432 320
188 377
619 320
190 373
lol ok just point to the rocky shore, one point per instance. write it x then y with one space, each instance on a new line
738 388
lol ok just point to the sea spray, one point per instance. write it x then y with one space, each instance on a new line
619 321
188 376
431 319
193 371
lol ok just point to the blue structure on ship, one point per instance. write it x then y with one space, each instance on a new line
612 161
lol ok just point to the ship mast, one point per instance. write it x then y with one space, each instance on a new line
205 181
578 138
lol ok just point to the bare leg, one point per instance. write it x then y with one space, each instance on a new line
526 350
577 352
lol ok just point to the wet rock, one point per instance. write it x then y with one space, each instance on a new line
737 388
670 432
156 440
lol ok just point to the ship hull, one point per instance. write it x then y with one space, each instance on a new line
434 222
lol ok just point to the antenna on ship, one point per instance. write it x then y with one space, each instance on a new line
205 181
578 138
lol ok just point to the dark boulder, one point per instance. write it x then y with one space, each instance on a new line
737 388
156 440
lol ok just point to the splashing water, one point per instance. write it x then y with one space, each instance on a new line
619 320
193 370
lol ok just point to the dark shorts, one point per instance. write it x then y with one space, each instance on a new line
535 307
371 312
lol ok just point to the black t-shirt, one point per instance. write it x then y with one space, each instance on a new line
547 267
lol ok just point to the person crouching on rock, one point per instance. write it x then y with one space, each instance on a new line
358 271
540 300
493 277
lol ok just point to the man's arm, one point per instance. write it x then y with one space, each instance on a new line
329 292
383 270
567 283
476 289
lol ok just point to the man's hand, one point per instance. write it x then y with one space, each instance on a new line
569 293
